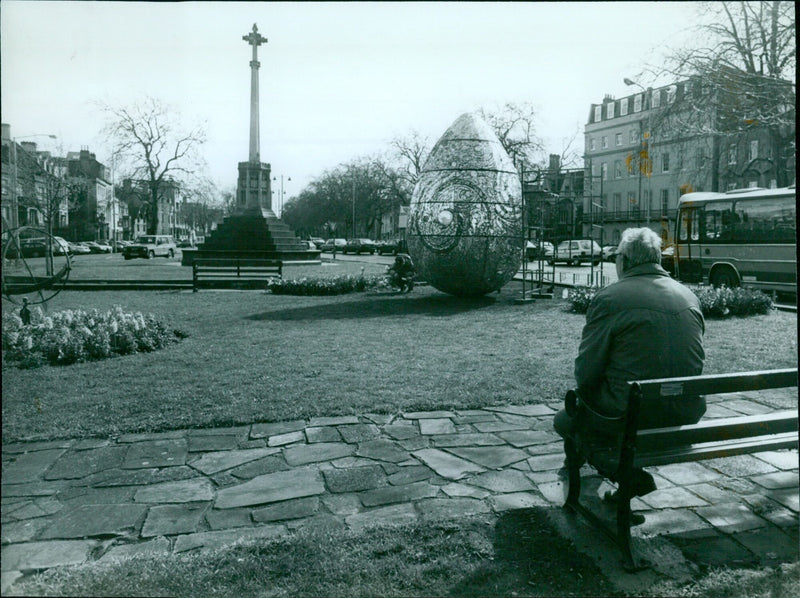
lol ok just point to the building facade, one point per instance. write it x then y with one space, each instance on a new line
643 151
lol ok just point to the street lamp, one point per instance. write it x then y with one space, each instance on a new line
14 200
644 137
280 197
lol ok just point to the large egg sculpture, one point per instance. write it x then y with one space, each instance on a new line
465 221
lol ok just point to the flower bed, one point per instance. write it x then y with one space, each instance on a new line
716 302
72 336
337 285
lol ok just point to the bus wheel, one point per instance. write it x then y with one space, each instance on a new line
724 276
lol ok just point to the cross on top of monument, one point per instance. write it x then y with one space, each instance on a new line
254 38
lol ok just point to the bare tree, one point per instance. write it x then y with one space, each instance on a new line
409 153
514 125
154 146
737 85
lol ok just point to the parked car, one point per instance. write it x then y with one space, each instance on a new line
609 253
98 247
28 248
317 241
578 251
329 244
78 249
308 245
534 251
150 246
668 259
359 246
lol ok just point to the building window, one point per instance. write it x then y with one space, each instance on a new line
618 202
618 139
664 202
753 150
623 107
700 158
647 199
594 169
732 154
731 186
752 184
656 99
687 90
671 90
604 142
637 102
634 137
679 159
592 144
633 204
598 114
610 110
773 184
665 162
617 169
604 170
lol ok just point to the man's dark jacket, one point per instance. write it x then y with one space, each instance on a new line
644 326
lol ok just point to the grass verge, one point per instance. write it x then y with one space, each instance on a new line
517 554
254 357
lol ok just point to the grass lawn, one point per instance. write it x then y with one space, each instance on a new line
255 357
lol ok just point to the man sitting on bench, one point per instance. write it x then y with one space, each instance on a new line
644 326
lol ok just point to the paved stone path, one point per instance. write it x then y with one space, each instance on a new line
75 501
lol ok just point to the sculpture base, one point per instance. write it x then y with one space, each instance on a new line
254 233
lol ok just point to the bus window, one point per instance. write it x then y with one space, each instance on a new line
766 221
717 221
687 225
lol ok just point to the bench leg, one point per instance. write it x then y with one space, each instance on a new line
574 471
624 496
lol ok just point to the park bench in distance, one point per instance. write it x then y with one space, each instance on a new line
707 439
241 273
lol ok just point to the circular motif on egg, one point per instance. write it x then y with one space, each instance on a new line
441 221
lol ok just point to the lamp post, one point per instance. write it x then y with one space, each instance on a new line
644 141
280 197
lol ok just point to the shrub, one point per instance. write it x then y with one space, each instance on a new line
72 336
337 285
721 302
580 297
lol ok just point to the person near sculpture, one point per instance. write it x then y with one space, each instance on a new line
25 313
644 326
401 273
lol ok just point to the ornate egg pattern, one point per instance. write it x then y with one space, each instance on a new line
465 222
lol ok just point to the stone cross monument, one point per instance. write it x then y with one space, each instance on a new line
254 191
254 39
253 231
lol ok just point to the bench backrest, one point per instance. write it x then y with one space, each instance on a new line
236 263
782 422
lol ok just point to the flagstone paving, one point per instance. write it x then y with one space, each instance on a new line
75 501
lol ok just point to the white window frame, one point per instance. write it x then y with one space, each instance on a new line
604 142
598 113
610 110
665 162
664 202
592 144
617 169
672 91
623 107
753 150
634 136
604 170
618 139
655 99
637 102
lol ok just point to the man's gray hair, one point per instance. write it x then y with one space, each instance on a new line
640 246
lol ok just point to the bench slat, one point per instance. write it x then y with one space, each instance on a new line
717 383
727 428
712 450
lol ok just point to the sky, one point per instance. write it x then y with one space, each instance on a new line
338 80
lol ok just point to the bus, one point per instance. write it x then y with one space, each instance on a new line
743 237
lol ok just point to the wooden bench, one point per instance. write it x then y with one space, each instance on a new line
239 273
706 439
